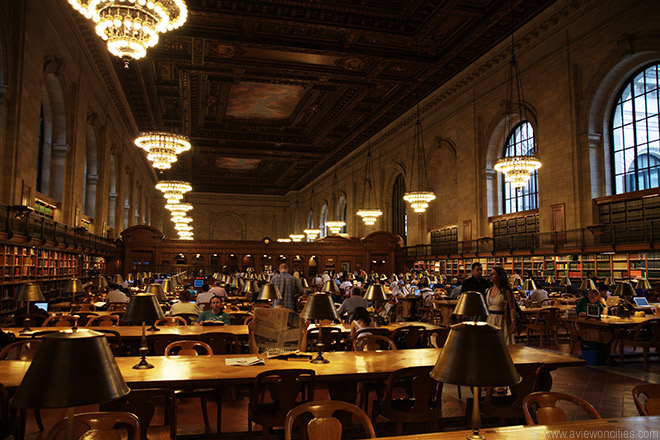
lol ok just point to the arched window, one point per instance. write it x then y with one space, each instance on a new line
636 133
323 219
51 160
399 216
521 142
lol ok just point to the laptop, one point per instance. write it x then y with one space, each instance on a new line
416 292
593 311
641 302
612 301
42 305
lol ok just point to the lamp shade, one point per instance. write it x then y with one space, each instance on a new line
624 289
29 292
319 306
565 281
375 292
330 287
517 282
130 277
550 279
587 284
143 308
74 285
471 304
99 281
167 286
157 291
529 284
609 281
394 278
475 355
304 283
71 368
250 287
117 278
643 283
269 291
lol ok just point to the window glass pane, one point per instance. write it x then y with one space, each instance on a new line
521 142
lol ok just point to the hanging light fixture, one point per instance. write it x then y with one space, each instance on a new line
312 233
179 209
335 226
132 26
296 237
283 238
181 219
183 227
369 214
517 169
419 196
162 148
173 190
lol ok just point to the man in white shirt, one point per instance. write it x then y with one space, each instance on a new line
115 295
218 291
204 297
538 296
346 286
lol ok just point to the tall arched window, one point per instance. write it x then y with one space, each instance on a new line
399 217
521 142
322 220
636 133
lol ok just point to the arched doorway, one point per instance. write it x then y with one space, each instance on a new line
266 263
232 263
248 262
298 265
312 266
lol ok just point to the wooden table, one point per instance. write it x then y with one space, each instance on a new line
532 310
446 307
630 427
344 367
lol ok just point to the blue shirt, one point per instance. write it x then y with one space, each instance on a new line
208 315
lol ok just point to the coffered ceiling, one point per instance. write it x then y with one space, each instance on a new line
273 93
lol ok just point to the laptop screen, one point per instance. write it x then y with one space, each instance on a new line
593 311
416 292
42 305
640 301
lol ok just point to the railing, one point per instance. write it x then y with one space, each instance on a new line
595 237
21 221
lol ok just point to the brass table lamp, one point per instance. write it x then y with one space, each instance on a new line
375 292
529 285
643 283
158 291
550 280
269 292
168 288
319 306
475 355
143 308
624 289
250 288
330 287
100 282
471 305
587 284
73 286
71 368
117 278
29 292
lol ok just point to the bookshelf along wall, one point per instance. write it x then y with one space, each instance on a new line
51 269
618 265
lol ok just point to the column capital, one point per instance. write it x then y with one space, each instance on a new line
60 149
92 178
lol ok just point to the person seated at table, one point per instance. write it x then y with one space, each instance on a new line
457 289
361 320
206 294
592 297
538 296
216 314
425 292
31 309
399 288
115 295
216 290
603 290
353 302
184 305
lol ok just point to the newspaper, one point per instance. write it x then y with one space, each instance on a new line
276 330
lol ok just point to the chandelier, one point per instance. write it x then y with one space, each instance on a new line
369 214
173 190
312 233
284 240
335 226
132 26
181 219
178 209
297 237
183 227
419 196
162 148
517 169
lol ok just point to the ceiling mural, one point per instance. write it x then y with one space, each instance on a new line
263 101
234 163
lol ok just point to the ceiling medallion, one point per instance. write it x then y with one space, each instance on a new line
162 148
130 27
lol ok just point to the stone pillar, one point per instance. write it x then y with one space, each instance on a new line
112 209
57 169
90 194
598 187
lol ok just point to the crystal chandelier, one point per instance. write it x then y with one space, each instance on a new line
173 190
132 26
162 148
419 196
181 219
296 236
335 226
369 214
517 169
312 233
178 209
183 227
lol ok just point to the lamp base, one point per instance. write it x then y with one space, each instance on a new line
143 365
475 436
153 328
319 359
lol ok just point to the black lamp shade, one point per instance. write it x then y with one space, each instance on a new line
475 355
304 283
117 278
157 291
529 285
74 285
70 369
269 291
29 292
250 287
624 289
168 287
565 281
587 284
330 287
99 281
143 308
643 284
471 304
319 306
550 279
375 292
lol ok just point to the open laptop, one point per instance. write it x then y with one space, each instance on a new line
593 311
612 301
641 303
41 305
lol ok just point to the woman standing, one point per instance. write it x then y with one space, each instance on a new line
499 298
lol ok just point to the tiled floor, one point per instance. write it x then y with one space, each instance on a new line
607 388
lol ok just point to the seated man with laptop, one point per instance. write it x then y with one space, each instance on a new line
591 305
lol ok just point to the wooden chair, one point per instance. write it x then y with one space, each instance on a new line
193 348
203 306
238 318
221 342
421 403
323 425
510 406
645 335
373 342
540 408
97 422
84 307
190 318
158 343
84 317
436 338
330 337
285 389
171 321
23 350
36 320
410 336
8 421
647 399
117 307
61 321
114 341
232 308
143 403
103 321
545 321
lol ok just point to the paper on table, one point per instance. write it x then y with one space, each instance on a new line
244 361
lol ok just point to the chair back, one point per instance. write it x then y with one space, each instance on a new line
190 318
6 422
103 321
98 422
158 343
324 425
143 404
232 308
117 307
61 321
287 388
221 342
647 399
436 338
540 407
330 337
512 407
374 331
171 321
238 318
20 350
203 306
373 342
84 307
114 340
410 336
422 401
188 348
36 320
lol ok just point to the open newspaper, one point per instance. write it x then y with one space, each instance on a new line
276 331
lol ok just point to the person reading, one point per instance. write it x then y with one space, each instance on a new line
216 314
